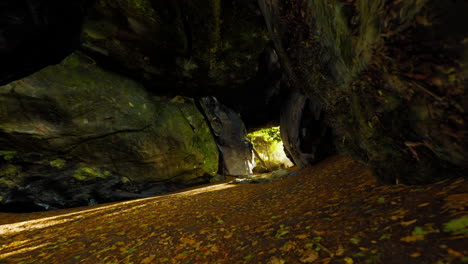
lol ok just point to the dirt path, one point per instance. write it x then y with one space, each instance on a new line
331 213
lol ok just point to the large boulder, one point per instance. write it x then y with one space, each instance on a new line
73 133
391 76
230 135
180 47
306 136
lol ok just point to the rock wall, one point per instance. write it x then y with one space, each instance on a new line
73 133
179 47
306 137
230 135
391 76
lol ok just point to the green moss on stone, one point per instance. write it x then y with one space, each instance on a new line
8 154
9 176
89 173
9 170
58 163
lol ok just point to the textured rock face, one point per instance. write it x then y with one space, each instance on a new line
181 47
230 135
74 128
391 76
306 137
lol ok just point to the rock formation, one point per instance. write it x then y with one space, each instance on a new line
73 132
382 81
230 135
390 75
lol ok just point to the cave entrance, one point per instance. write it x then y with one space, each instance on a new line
268 149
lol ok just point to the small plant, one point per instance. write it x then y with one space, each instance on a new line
457 226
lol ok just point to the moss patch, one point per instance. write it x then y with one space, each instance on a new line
8 154
90 173
58 163
9 176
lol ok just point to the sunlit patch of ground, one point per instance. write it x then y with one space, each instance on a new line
333 212
9 229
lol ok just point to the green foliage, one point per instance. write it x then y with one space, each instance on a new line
355 240
266 135
267 142
457 226
281 233
419 231
58 163
317 239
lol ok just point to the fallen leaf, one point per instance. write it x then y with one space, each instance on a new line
214 249
348 260
130 251
455 253
309 256
148 260
187 241
407 223
456 201
276 260
287 246
415 255
412 238
340 251
281 233
423 204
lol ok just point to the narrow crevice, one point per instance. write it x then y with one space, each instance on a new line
215 137
85 140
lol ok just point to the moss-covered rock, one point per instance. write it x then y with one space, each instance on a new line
78 123
390 74
88 173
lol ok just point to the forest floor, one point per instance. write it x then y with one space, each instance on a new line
333 212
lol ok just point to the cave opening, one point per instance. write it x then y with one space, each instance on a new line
268 149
